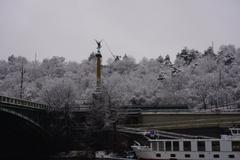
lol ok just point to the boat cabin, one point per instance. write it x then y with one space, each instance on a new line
196 148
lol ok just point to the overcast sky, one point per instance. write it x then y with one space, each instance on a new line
140 28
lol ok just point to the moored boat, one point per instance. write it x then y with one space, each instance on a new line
200 148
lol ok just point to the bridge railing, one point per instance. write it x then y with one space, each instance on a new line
23 103
81 108
220 109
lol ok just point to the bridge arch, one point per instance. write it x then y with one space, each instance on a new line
20 136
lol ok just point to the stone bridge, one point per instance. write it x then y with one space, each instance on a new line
23 127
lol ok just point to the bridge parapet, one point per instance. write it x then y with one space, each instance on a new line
81 108
22 103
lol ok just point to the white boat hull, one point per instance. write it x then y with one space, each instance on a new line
225 148
147 154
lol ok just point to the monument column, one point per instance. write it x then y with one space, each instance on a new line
98 72
98 97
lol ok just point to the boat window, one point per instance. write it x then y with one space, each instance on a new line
201 145
201 155
234 131
187 145
216 156
158 155
168 145
161 146
235 145
187 155
215 146
173 155
231 156
175 146
154 146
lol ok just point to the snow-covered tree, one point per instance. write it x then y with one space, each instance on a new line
59 94
207 78
53 67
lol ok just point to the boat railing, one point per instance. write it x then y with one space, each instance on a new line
151 134
137 143
235 131
178 135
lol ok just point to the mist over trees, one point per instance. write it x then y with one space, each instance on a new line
199 80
